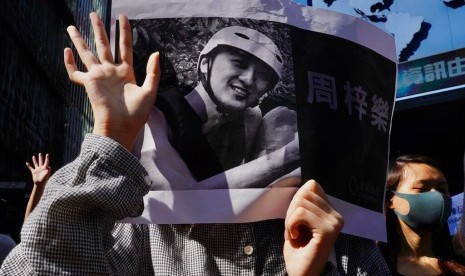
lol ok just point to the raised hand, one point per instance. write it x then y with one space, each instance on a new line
120 106
40 170
312 226
40 173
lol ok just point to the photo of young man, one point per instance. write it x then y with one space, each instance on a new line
216 134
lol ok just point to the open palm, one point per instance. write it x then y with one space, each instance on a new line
120 106
40 169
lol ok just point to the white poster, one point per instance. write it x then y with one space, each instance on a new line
456 214
255 98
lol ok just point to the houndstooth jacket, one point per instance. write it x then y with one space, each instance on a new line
73 230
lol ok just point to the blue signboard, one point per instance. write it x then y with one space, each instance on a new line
431 75
457 207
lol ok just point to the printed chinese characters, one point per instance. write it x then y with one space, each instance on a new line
322 89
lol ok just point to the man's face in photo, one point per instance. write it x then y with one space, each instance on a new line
237 79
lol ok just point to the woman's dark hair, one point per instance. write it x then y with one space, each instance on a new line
397 168
442 242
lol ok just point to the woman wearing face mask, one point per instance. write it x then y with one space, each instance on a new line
417 207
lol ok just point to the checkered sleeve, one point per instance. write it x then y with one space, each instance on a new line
359 256
70 230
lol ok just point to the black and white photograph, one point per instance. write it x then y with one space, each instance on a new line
227 100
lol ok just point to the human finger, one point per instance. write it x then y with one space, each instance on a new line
125 41
46 161
311 205
34 160
101 38
299 221
153 73
41 159
315 187
311 191
298 232
70 64
29 167
315 205
311 215
83 50
312 220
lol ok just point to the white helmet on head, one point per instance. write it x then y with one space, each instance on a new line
250 41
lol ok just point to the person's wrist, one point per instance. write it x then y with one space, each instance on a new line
39 185
117 137
125 138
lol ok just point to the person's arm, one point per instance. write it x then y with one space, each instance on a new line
276 155
260 172
69 232
40 171
312 226
168 170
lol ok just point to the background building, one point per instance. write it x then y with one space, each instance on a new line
40 110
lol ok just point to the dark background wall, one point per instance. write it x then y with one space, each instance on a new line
40 111
433 126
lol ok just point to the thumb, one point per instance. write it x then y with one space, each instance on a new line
152 78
